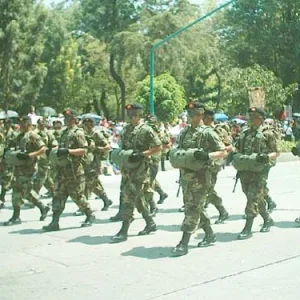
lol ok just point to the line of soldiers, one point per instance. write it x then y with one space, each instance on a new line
77 157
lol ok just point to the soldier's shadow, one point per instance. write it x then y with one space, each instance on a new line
149 253
287 224
170 228
91 240
27 231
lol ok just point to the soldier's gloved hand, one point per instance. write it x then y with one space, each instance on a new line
262 158
23 156
136 156
201 155
62 152
294 151
48 150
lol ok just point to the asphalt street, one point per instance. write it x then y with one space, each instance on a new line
81 263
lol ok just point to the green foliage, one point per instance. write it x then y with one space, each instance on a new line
169 96
285 146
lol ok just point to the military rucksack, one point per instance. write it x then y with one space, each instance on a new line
121 159
12 160
248 163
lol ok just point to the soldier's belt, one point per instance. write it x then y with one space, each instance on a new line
11 159
184 159
243 162
121 159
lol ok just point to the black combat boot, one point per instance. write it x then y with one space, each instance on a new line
271 205
182 248
247 231
107 202
150 226
122 235
44 210
162 197
209 237
162 164
223 214
15 219
54 225
90 218
268 222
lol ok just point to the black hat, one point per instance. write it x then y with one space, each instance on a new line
25 119
209 112
70 112
256 110
195 105
134 106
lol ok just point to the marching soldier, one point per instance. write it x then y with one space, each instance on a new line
31 147
260 149
98 146
144 142
70 179
43 173
195 184
215 168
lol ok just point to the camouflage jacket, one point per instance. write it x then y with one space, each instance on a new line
73 138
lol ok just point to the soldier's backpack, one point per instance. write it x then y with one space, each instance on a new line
121 159
184 159
243 162
11 159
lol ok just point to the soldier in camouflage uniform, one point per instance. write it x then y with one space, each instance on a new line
136 183
7 172
31 147
154 166
195 184
43 173
253 140
70 180
98 146
215 168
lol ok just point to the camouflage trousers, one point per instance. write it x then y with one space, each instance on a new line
194 198
93 185
254 186
134 187
153 170
212 196
7 176
69 186
43 178
23 189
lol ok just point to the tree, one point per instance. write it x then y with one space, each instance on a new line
22 72
169 96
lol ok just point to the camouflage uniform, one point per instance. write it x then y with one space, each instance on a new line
93 169
7 172
136 183
70 180
254 184
215 168
43 173
195 185
22 185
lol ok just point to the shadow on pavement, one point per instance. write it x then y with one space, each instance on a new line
91 240
287 224
27 231
150 253
171 228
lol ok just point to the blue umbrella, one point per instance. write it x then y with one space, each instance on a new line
95 117
221 117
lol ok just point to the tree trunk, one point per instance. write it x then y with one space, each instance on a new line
103 104
219 92
120 83
96 105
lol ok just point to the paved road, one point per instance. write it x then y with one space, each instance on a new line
80 263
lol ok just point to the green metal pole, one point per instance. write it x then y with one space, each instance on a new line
169 37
